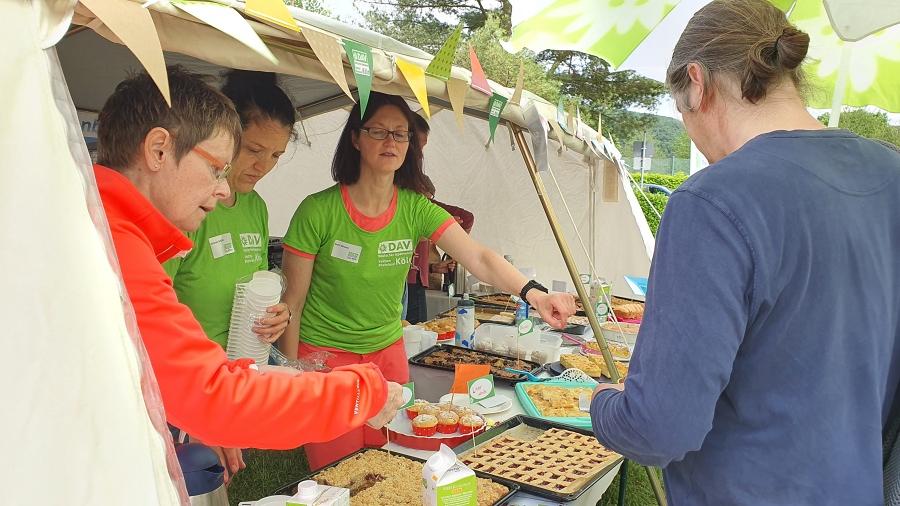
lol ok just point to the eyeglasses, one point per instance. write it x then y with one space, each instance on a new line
380 134
221 170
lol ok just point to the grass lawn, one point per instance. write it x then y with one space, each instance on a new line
268 470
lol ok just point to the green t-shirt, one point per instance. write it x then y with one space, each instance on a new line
358 277
232 242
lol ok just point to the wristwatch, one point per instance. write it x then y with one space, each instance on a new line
528 286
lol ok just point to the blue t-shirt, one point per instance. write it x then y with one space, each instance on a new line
767 358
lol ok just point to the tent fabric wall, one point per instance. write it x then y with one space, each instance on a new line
76 428
493 184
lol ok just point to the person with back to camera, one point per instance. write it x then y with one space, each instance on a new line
767 360
160 170
204 279
350 248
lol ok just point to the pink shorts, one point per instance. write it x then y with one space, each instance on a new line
394 366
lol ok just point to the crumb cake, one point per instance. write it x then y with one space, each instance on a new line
558 460
376 479
557 401
447 358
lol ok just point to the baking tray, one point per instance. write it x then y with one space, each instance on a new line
452 312
479 299
522 365
578 330
583 422
511 485
542 425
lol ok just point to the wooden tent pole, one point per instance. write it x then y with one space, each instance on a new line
576 279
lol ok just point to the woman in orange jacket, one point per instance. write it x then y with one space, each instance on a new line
160 170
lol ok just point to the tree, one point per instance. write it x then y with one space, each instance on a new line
599 91
586 79
682 146
309 5
873 125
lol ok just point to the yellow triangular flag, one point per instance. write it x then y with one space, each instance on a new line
457 88
273 11
134 27
328 50
415 77
520 82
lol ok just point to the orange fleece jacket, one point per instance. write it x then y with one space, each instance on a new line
221 402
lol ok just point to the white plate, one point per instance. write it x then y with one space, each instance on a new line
463 400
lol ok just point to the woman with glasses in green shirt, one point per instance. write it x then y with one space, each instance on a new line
350 249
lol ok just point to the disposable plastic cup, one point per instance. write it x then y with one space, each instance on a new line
267 275
412 348
429 339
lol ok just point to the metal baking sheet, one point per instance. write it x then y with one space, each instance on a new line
513 487
543 425
522 365
485 308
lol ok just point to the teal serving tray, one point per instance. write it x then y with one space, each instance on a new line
583 422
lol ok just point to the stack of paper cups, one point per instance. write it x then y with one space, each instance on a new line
412 339
250 303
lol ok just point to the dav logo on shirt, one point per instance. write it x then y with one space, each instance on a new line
251 241
391 253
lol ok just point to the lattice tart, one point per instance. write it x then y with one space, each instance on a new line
558 460
376 479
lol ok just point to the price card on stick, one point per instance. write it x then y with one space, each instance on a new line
409 395
481 388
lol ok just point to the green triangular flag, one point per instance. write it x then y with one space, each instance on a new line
561 118
360 57
440 66
495 107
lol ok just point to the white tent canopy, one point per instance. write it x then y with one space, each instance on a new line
74 381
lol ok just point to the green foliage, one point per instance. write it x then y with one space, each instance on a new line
659 202
670 182
681 148
309 5
599 91
663 132
873 125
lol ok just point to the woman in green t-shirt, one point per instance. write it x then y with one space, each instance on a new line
350 247
233 240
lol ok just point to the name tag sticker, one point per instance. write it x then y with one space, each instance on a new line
346 251
221 245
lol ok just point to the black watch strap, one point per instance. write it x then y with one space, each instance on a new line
528 286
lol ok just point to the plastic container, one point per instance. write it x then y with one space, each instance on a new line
627 336
540 347
412 339
465 322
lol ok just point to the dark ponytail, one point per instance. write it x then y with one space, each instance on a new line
257 96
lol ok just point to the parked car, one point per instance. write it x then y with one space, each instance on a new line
657 188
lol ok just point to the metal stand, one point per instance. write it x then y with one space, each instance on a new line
623 482
576 278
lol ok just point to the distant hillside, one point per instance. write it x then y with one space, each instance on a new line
663 136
